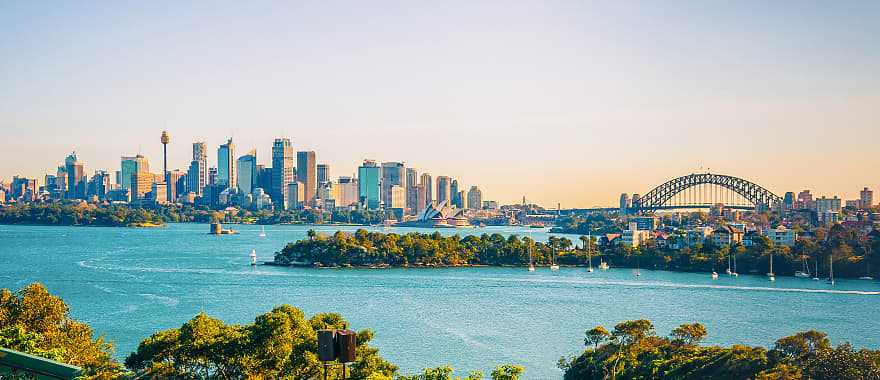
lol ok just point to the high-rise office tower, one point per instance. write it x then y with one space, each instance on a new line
99 185
76 181
282 171
453 193
421 198
197 176
176 185
295 195
130 165
226 165
369 181
412 191
475 198
264 178
393 174
866 196
246 172
459 199
212 178
306 173
625 203
429 186
323 173
141 184
60 182
444 191
348 191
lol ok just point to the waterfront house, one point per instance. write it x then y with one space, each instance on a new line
727 235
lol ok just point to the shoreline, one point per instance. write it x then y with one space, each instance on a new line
541 266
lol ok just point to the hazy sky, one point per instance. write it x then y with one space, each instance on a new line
571 102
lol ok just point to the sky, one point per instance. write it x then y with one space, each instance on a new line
560 102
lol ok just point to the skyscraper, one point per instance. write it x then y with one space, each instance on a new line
176 184
475 198
428 184
246 172
625 203
412 191
393 174
421 198
60 182
99 185
226 165
454 193
323 173
282 171
348 191
369 184
130 165
306 173
866 196
197 176
444 191
295 195
76 181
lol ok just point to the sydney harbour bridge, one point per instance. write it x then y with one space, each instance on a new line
696 191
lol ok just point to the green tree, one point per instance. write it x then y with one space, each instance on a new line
595 336
36 322
689 333
507 372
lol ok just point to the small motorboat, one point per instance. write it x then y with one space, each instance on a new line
714 275
802 274
603 265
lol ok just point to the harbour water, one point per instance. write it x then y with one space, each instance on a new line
128 283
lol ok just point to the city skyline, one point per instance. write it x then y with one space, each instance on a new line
542 100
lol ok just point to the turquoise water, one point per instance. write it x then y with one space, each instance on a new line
128 283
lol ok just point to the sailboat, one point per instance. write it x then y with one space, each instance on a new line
637 271
734 273
253 257
553 265
770 274
805 272
867 275
728 266
830 270
262 231
589 261
531 260
816 273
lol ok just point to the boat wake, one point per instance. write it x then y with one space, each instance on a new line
167 301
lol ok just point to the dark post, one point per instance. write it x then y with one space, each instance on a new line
327 348
346 345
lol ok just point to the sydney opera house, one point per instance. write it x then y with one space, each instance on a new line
443 215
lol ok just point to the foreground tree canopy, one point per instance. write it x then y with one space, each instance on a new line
632 350
36 322
281 344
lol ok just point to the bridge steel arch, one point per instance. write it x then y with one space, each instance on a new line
660 195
